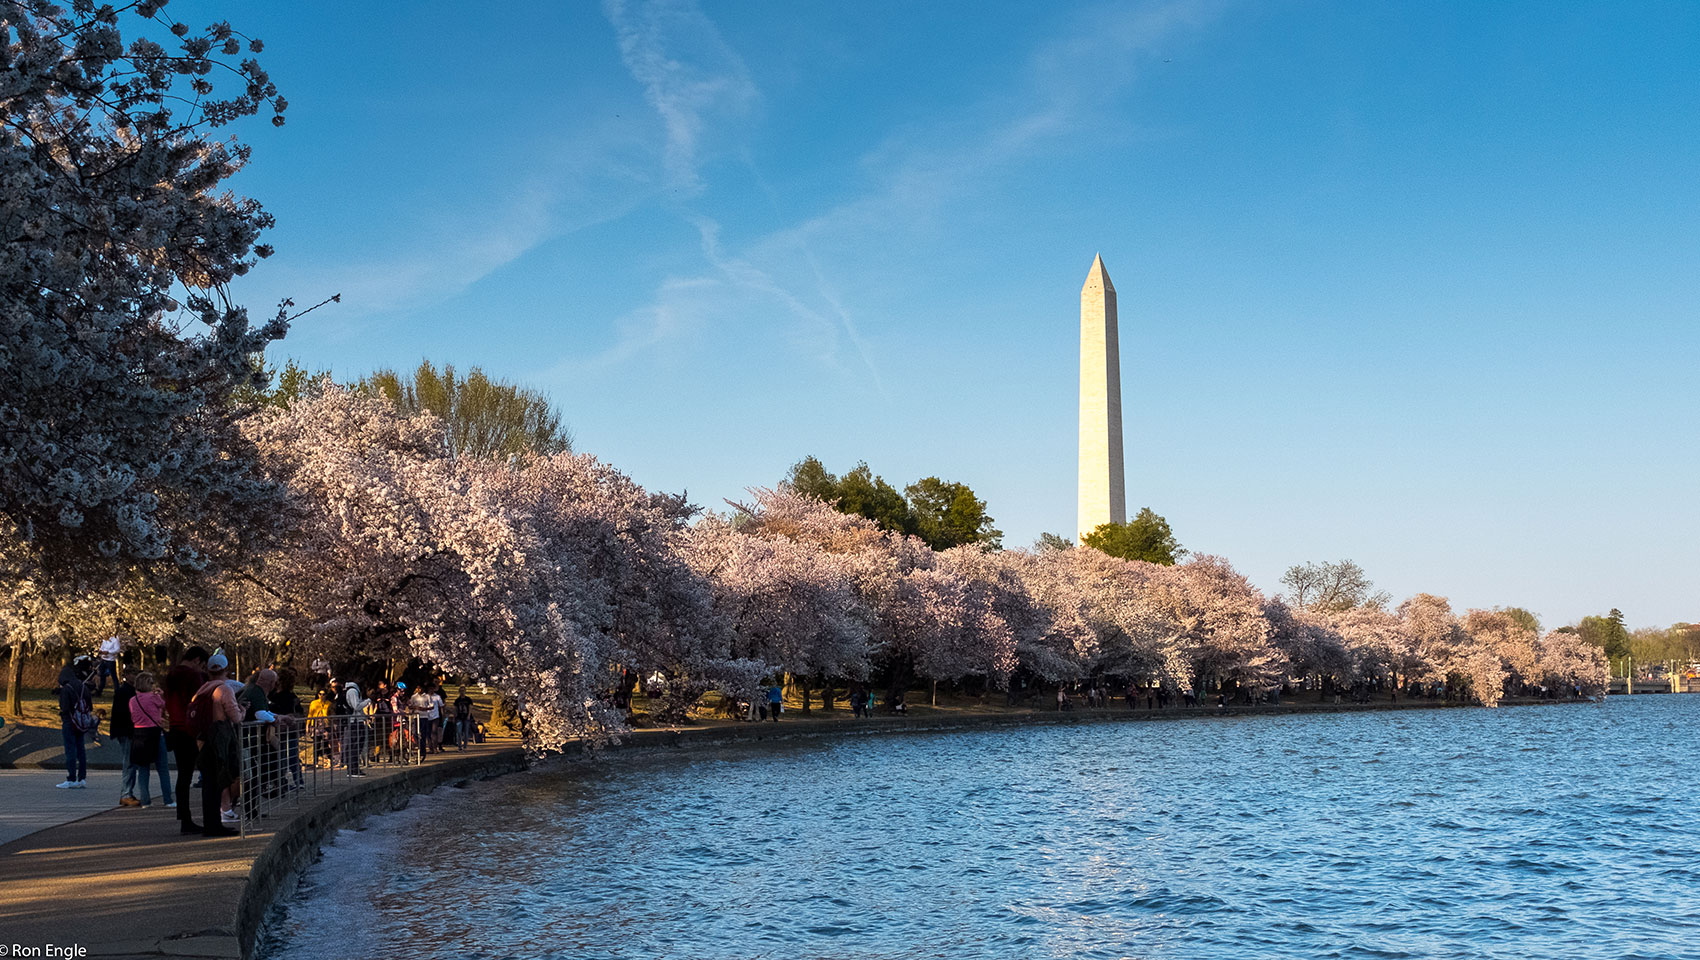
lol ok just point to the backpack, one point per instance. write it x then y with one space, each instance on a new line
83 717
202 713
84 720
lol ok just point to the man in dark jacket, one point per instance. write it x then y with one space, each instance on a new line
180 686
120 726
76 701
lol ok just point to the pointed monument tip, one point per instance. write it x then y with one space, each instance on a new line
1098 272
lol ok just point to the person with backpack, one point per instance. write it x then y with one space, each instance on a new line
352 707
180 685
213 716
77 720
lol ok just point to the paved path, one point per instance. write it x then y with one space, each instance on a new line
29 802
125 882
24 746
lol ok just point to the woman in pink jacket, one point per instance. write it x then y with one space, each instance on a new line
147 743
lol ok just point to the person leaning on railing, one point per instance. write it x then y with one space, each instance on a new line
287 706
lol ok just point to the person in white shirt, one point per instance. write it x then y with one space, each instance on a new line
108 665
423 706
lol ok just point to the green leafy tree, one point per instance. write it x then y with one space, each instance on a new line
487 419
1608 633
944 513
861 492
949 515
1052 541
1523 618
275 386
1146 537
809 477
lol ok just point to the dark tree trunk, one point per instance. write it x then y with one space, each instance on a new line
15 683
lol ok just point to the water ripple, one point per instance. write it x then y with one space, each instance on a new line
1495 834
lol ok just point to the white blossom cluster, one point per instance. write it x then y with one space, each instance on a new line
118 348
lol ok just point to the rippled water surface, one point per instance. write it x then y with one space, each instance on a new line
1567 831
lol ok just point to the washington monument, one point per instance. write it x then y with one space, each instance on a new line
1103 498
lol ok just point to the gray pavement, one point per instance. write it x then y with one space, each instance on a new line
29 801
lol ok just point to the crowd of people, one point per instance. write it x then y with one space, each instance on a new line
242 741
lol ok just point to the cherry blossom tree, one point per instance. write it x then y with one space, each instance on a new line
788 603
119 346
1220 628
1510 639
1565 660
1442 642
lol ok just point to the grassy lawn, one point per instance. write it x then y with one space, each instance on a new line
41 707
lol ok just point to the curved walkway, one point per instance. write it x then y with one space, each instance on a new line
126 883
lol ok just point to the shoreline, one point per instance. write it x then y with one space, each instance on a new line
146 880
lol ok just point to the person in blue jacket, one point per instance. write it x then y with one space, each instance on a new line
774 696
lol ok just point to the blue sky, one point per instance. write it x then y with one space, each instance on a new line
1412 284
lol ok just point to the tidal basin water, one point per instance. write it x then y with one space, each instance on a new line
1548 831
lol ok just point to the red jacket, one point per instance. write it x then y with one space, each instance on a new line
180 686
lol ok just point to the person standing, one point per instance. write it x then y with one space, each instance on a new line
354 731
110 648
420 708
119 728
318 725
255 702
775 696
180 685
147 743
76 719
440 716
287 707
465 718
215 713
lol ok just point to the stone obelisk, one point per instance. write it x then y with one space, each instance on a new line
1103 498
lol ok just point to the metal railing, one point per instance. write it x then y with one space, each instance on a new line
293 760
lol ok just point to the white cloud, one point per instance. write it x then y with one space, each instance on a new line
689 75
1069 83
